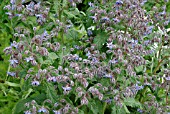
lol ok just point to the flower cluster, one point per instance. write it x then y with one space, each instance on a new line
32 9
119 71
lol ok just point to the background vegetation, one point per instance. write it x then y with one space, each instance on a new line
81 34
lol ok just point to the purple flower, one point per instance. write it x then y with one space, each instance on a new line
104 19
39 15
67 88
85 83
57 112
45 33
13 62
133 42
148 30
34 28
76 57
137 87
35 83
27 112
95 60
37 6
76 46
119 2
42 109
108 100
84 101
94 18
69 26
113 61
147 42
110 45
28 59
11 73
162 13
18 15
108 76
91 4
89 32
8 7
88 54
12 1
53 79
14 44
31 5
9 13
167 78
116 20
143 2
139 110
100 96
13 7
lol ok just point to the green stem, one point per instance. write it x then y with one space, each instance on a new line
159 53
62 36
7 72
143 93
60 13
104 107
159 63
79 106
152 65
167 97
63 60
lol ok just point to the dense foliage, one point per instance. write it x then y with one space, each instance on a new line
85 57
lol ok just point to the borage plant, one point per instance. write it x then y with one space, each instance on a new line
120 66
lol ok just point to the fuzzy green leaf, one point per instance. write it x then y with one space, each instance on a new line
132 102
12 84
70 15
19 107
95 106
100 39
51 93
52 55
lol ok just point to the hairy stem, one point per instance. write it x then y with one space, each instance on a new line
159 63
104 107
159 53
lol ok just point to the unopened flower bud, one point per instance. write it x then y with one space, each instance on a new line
34 28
